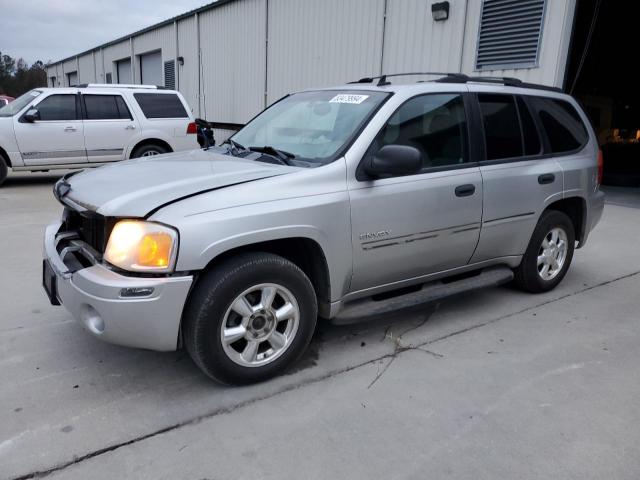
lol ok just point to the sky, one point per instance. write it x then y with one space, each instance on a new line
54 29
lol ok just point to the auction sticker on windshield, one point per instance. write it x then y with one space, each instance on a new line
349 98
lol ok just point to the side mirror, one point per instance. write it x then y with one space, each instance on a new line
31 116
395 160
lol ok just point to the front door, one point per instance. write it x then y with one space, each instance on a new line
409 226
108 127
57 137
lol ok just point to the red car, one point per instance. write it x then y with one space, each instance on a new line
4 99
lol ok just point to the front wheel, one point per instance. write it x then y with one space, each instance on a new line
549 254
250 318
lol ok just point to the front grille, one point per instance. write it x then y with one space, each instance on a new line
92 227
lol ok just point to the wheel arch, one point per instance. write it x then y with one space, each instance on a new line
576 209
150 141
305 252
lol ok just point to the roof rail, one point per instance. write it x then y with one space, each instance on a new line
455 77
382 79
117 85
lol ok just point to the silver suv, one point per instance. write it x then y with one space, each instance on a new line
326 199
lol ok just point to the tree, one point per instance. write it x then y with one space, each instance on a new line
17 77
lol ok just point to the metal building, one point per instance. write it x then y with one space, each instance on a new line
232 58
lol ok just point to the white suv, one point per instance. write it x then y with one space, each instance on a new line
90 125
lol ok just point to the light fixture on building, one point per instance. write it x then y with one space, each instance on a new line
440 11
181 61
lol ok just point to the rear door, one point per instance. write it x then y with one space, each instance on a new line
108 126
58 137
519 179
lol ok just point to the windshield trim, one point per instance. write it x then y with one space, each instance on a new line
354 136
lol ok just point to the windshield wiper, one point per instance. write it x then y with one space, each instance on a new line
234 144
274 152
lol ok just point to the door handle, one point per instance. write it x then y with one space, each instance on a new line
130 127
70 129
546 178
465 190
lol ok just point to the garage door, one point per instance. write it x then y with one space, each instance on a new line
151 69
124 71
72 79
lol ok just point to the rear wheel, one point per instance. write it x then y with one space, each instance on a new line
250 318
149 150
549 254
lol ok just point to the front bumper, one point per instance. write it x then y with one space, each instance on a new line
93 295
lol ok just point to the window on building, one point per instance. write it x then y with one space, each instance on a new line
435 124
503 138
58 107
510 34
161 105
106 107
562 124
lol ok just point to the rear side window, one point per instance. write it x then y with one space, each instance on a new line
106 107
561 123
161 105
58 107
503 138
530 137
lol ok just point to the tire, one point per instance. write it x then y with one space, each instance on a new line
4 170
530 276
148 150
216 305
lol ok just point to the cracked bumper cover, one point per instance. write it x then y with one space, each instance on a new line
93 296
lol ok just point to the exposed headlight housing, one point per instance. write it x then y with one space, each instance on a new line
141 246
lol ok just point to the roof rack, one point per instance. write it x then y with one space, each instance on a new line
119 85
455 77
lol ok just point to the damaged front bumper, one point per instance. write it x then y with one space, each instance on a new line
142 312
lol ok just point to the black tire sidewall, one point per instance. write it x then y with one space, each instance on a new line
527 275
4 170
213 296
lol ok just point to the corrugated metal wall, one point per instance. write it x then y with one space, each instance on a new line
255 51
187 74
232 42
86 70
323 43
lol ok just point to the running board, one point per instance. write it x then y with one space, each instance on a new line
362 310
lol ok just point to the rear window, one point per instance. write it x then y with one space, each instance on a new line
561 123
106 107
161 105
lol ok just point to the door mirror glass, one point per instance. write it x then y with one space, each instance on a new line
395 160
32 115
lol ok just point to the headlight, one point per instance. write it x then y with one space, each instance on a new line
142 246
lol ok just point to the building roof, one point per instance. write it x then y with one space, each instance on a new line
169 21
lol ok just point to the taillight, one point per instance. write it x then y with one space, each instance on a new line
600 167
192 128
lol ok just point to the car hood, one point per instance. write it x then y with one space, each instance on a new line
135 188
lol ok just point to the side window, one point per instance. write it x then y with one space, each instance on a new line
58 107
561 123
530 137
161 105
435 124
503 138
105 107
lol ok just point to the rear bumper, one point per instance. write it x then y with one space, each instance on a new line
93 295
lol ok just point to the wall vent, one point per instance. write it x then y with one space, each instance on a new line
170 74
510 33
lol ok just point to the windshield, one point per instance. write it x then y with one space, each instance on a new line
312 126
19 103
